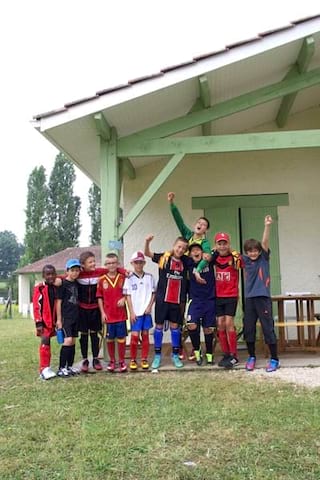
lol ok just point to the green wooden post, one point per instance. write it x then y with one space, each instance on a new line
110 193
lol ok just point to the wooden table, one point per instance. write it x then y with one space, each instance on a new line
304 321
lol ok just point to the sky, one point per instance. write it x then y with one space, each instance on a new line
53 52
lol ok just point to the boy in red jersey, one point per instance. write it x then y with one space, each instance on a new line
170 296
44 312
227 265
111 301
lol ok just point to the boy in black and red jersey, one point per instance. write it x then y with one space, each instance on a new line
227 265
170 295
44 313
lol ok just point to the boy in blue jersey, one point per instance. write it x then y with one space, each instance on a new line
258 302
202 307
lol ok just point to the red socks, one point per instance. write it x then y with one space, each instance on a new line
145 346
133 346
223 340
232 340
111 350
44 356
121 349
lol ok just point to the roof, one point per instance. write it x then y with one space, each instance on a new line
59 260
170 93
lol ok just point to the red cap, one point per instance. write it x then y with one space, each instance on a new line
221 236
137 256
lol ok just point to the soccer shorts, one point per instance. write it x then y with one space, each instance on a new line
143 322
89 320
226 306
202 313
116 330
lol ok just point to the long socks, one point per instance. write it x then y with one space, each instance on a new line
44 356
84 340
94 344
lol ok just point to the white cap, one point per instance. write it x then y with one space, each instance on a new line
137 256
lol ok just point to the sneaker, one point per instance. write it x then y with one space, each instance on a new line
272 365
176 361
232 362
96 364
199 359
250 364
111 366
156 362
224 360
63 373
85 366
47 373
122 367
133 366
144 364
73 370
209 359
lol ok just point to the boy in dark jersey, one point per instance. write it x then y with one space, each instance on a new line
202 307
170 295
227 265
111 301
44 313
68 317
258 303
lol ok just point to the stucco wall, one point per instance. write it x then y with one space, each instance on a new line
296 172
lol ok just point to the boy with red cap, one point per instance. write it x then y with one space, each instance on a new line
139 289
227 265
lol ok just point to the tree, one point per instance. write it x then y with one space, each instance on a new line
36 212
63 209
94 212
10 252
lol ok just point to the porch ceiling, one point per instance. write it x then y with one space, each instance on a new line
151 102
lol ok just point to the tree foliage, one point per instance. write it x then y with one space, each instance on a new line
63 211
10 252
53 212
35 240
94 212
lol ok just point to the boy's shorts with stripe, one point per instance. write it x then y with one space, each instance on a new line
143 322
203 313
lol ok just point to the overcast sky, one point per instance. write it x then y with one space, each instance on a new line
56 51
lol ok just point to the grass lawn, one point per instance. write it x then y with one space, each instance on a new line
228 425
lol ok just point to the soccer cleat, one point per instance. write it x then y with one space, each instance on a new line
232 362
111 366
176 361
250 364
209 358
272 365
133 365
47 373
156 362
181 354
144 364
122 367
63 373
96 364
199 359
85 366
73 370
224 360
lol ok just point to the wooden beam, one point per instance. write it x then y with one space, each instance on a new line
205 100
301 65
234 105
128 168
103 128
219 143
149 193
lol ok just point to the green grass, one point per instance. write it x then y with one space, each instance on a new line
143 426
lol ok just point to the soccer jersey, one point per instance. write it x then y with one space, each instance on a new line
111 291
68 293
202 292
172 277
43 300
140 289
257 275
227 276
88 282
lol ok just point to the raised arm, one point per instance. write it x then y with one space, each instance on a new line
184 230
266 232
147 250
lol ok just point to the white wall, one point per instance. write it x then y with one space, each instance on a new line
296 172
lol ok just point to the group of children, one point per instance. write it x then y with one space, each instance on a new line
197 287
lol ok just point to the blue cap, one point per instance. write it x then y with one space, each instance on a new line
73 262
